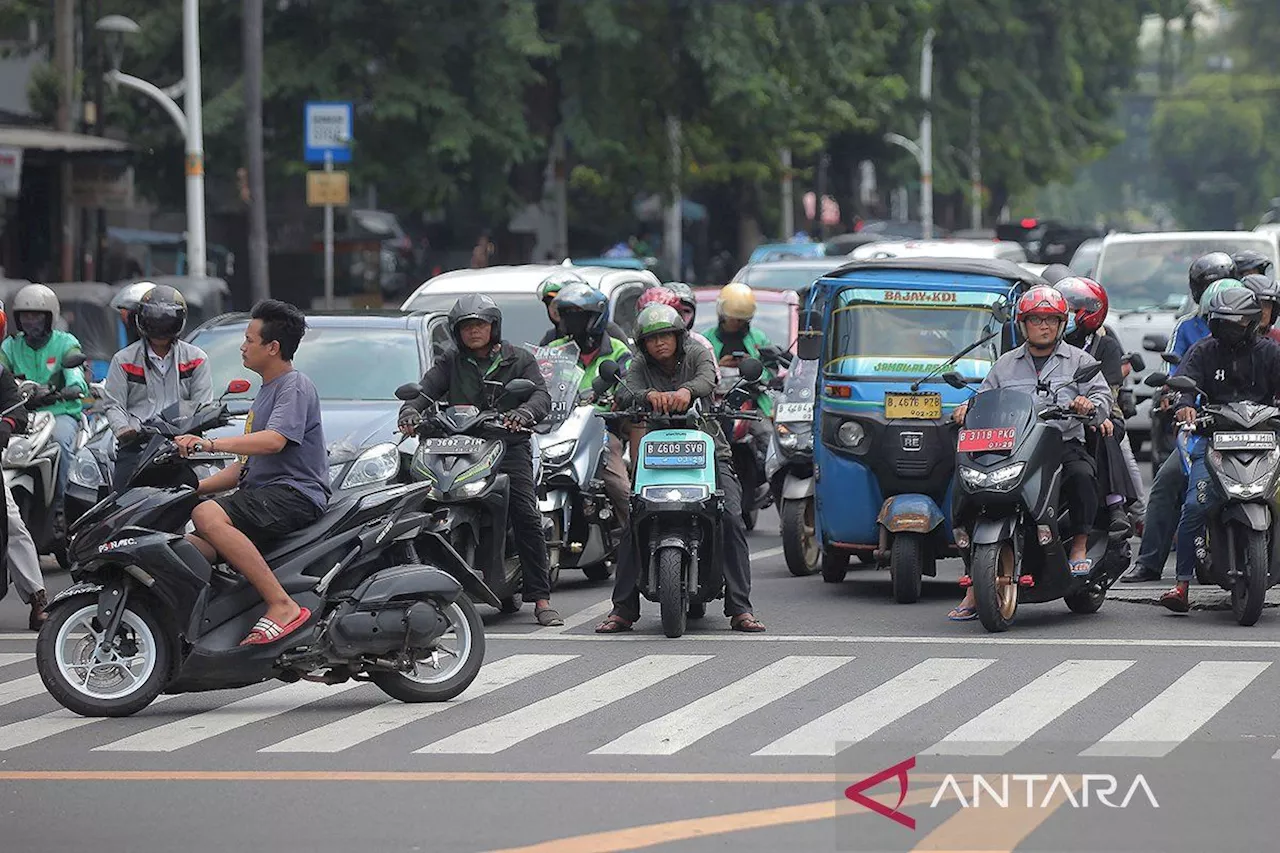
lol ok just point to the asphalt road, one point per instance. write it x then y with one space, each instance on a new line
574 742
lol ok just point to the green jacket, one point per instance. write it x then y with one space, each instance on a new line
754 341
40 365
611 349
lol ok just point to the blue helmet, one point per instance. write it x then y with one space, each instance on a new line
584 313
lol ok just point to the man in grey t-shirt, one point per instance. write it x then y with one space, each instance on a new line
282 478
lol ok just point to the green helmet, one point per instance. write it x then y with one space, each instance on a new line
1217 287
657 319
557 281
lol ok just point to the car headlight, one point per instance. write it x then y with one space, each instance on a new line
84 470
554 454
377 464
470 490
851 434
22 448
675 494
999 479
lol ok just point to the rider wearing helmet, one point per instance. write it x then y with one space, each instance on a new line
457 379
1041 317
688 307
1055 273
547 292
669 375
1235 365
1204 271
584 315
36 353
1267 291
668 294
15 539
149 376
126 302
1250 261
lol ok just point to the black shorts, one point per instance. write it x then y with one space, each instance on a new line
269 513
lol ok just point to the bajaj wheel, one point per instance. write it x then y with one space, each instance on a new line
799 539
835 565
1250 590
673 599
446 670
907 557
995 585
86 679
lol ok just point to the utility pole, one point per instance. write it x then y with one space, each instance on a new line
926 135
975 168
65 60
259 282
788 197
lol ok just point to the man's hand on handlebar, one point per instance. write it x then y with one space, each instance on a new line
188 444
518 420
959 413
1185 415
409 422
1082 406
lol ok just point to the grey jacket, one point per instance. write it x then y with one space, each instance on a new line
1015 369
695 370
135 390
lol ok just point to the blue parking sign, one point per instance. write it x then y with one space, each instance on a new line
327 130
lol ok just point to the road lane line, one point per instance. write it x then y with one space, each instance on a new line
365 725
1007 724
940 640
690 723
21 688
510 729
886 703
7 658
582 617
1159 726
53 724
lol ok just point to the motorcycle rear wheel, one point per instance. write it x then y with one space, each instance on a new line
673 598
431 683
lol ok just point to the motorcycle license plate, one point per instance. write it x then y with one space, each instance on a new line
1244 440
454 444
919 407
983 440
675 454
793 413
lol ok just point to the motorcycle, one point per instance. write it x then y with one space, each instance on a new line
748 461
790 467
147 613
32 459
676 507
1006 511
582 528
1243 462
89 479
460 451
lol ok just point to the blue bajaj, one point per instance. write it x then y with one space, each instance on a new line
885 457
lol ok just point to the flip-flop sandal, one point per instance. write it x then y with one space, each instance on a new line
547 616
963 614
267 631
1081 568
613 625
747 623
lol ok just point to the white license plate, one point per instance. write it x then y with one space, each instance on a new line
456 444
794 412
1244 440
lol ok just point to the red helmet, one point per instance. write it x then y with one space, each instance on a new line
1086 300
1042 300
657 296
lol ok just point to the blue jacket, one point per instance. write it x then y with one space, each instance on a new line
1189 331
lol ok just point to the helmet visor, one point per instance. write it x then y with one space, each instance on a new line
161 321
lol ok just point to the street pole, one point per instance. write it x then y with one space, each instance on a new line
788 197
195 138
975 171
926 136
328 241
673 238
99 129
65 60
259 282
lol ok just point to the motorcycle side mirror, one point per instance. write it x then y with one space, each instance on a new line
1182 383
1001 312
609 372
809 344
600 386
73 359
954 379
1156 380
238 386
1086 373
1155 343
514 393
408 391
1136 361
1171 358
750 369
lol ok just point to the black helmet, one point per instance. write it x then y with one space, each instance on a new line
1055 273
1266 288
1207 269
1250 261
1234 315
162 313
475 306
584 313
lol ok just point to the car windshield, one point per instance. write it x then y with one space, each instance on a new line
1153 274
1086 258
345 363
782 276
772 318
874 332
524 319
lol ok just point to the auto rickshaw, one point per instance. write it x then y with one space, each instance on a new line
885 447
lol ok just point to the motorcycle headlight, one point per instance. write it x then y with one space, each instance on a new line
1264 485
998 480
378 464
675 494
22 448
84 470
794 438
470 490
850 434
554 454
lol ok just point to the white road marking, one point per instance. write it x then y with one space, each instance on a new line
951 641
510 729
1159 726
7 658
50 725
690 723
886 703
20 688
1007 724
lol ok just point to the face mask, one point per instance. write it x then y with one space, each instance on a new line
35 327
1232 335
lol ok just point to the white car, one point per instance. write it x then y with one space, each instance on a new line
515 289
1146 280
1001 249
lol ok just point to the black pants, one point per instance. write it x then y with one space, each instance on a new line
1113 474
733 556
526 522
1079 487
126 462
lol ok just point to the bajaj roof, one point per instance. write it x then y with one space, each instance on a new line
989 267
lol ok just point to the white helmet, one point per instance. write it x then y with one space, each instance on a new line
37 298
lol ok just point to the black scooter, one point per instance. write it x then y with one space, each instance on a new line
148 614
1007 511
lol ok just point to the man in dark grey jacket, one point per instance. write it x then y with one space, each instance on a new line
669 375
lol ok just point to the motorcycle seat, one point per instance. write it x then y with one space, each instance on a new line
337 511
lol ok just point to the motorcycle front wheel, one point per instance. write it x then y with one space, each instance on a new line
799 538
673 598
995 585
1249 592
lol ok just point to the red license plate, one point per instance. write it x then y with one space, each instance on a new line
984 440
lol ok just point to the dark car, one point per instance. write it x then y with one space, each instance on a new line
356 360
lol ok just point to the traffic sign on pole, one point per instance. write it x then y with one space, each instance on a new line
327 131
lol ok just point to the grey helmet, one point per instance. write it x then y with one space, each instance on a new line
475 306
37 299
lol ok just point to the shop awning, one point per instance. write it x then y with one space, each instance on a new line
38 139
